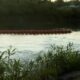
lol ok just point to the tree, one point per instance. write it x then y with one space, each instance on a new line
59 1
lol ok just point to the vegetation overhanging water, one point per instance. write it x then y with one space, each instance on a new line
55 63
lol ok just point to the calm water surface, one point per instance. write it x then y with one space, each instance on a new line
28 45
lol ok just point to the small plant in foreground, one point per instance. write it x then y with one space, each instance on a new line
49 66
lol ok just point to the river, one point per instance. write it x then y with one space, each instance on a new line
27 46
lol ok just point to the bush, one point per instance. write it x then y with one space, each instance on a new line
52 64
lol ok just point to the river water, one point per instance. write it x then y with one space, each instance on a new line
28 46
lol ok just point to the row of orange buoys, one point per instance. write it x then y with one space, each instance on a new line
50 31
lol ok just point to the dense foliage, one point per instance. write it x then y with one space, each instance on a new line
39 14
48 66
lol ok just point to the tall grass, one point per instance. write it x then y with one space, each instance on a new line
48 66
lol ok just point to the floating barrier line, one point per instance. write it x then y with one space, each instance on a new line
50 31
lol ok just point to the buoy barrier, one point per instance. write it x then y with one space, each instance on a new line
51 31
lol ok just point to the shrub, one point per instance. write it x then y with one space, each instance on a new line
49 66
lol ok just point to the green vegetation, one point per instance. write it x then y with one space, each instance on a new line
39 14
48 66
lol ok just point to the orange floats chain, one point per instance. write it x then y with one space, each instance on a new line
50 31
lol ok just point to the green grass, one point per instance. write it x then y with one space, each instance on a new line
56 62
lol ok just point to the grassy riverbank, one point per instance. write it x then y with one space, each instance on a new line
54 64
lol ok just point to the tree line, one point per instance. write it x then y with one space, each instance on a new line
18 14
